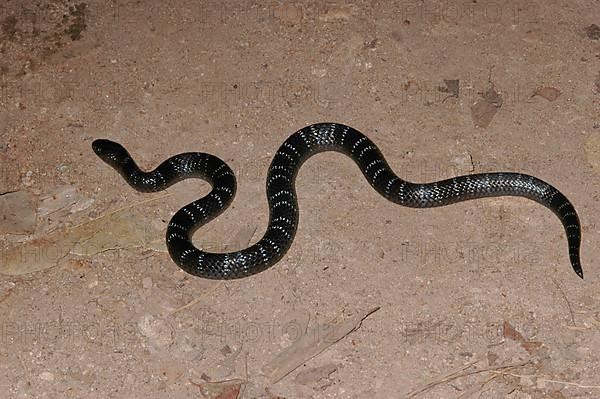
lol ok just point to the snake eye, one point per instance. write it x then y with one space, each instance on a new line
97 146
103 146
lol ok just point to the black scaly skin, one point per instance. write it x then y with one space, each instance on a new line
283 205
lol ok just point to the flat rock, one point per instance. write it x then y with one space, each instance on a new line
18 213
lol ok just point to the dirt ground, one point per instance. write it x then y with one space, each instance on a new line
475 300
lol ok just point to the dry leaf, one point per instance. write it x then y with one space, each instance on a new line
491 358
593 32
592 151
229 389
125 228
532 346
482 113
549 93
452 87
315 374
230 393
310 344
493 97
508 331
342 13
484 109
556 395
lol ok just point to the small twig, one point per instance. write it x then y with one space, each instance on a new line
566 300
471 391
106 215
573 384
461 373
246 377
446 378
6 294
198 299
26 370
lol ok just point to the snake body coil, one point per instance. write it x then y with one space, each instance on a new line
283 204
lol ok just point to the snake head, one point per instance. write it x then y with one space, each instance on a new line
110 152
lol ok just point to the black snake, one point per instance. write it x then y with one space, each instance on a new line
283 204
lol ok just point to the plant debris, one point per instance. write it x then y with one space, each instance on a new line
485 108
78 24
549 93
18 213
310 344
452 87
508 331
317 375
228 389
593 32
9 27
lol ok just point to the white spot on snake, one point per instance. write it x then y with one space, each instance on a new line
185 253
563 205
291 147
275 246
199 207
175 235
390 183
287 203
283 230
190 214
377 173
281 219
283 192
277 176
218 198
161 177
372 163
224 188
214 174
263 252
223 174
358 143
364 150
344 132
177 226
285 154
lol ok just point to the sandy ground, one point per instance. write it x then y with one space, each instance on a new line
478 298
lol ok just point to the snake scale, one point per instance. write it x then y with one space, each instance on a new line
283 204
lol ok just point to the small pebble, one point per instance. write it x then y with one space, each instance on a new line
129 380
147 283
158 332
319 72
81 205
47 376
541 383
583 350
226 350
27 180
526 381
